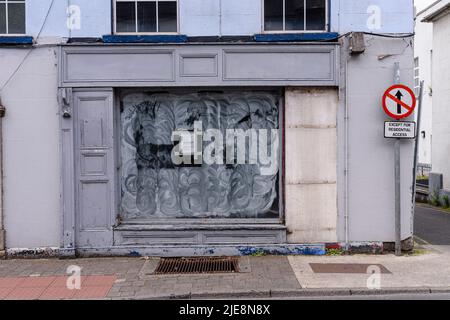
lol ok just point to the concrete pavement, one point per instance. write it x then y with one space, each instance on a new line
424 271
275 277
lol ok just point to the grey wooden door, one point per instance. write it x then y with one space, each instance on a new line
94 168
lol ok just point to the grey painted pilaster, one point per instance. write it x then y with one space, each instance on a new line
2 228
67 242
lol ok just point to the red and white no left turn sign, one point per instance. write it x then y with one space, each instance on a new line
399 101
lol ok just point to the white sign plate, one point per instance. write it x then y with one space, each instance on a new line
399 130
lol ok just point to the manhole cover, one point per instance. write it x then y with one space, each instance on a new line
347 268
197 265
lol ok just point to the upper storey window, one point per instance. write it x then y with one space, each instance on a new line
146 16
295 15
12 17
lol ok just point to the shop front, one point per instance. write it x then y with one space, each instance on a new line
188 149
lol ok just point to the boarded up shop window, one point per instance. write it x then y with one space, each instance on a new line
153 186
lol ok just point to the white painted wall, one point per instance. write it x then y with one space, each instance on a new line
212 17
31 149
441 98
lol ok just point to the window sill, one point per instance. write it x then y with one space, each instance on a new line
176 38
291 37
5 39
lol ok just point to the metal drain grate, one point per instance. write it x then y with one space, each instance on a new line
197 265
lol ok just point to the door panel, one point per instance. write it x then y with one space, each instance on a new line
94 143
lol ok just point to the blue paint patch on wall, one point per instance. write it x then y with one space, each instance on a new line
296 37
144 38
16 40
135 254
310 250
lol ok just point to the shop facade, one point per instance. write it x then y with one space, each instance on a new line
222 138
118 128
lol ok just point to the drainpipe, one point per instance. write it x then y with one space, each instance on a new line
346 152
220 18
2 227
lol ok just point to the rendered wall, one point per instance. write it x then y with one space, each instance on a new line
31 150
311 164
370 200
396 16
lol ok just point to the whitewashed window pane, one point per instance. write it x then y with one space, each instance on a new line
154 187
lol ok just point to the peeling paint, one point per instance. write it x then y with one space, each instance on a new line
284 250
364 247
186 251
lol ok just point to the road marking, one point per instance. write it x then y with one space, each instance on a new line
424 206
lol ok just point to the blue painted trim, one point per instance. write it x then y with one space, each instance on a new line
16 40
145 38
291 37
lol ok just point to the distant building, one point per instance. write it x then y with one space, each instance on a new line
95 91
439 15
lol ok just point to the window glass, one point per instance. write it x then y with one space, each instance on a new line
295 15
315 14
16 18
2 18
286 15
167 16
126 17
146 16
273 15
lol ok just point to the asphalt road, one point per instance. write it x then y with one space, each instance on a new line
410 296
432 225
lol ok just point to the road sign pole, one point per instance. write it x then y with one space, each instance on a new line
398 229
398 208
